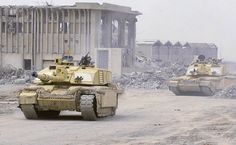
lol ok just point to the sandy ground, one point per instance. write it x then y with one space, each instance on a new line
144 117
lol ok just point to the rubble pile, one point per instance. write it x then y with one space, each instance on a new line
147 80
10 75
155 76
229 92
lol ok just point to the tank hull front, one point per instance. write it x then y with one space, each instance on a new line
203 86
196 86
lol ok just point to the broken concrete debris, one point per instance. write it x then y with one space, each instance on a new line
155 75
10 75
228 93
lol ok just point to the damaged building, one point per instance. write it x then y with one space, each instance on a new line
169 51
31 37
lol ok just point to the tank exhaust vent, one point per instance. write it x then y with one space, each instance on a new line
101 76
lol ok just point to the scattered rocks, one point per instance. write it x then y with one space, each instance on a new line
229 92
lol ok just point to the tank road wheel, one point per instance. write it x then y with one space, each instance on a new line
88 107
31 112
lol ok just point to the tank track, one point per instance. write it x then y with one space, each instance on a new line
208 91
175 90
29 111
88 107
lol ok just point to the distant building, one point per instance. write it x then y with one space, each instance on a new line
31 37
169 51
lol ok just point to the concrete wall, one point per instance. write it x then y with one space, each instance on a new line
143 50
12 59
114 62
181 53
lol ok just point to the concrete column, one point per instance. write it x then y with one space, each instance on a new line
52 33
121 29
86 31
37 31
17 32
74 32
57 49
27 33
63 32
33 40
107 30
6 31
83 29
23 35
79 34
0 36
46 32
22 51
41 39
132 38
10 50
95 27
68 30
37 38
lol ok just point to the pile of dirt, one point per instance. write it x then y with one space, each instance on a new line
229 92
156 76
10 74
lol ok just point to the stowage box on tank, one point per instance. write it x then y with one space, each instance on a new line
64 86
203 77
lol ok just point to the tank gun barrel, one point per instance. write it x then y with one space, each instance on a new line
46 78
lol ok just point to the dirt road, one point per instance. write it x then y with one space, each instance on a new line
144 117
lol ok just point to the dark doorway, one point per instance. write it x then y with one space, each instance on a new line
27 64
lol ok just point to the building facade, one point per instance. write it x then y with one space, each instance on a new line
177 52
31 37
169 51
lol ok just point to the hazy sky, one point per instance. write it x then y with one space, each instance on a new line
212 21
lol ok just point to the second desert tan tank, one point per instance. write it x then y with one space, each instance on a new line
203 77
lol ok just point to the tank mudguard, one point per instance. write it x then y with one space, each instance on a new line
28 97
108 99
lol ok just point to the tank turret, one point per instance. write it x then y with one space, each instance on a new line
205 67
64 71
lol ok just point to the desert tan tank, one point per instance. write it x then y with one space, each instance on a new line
203 77
64 86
